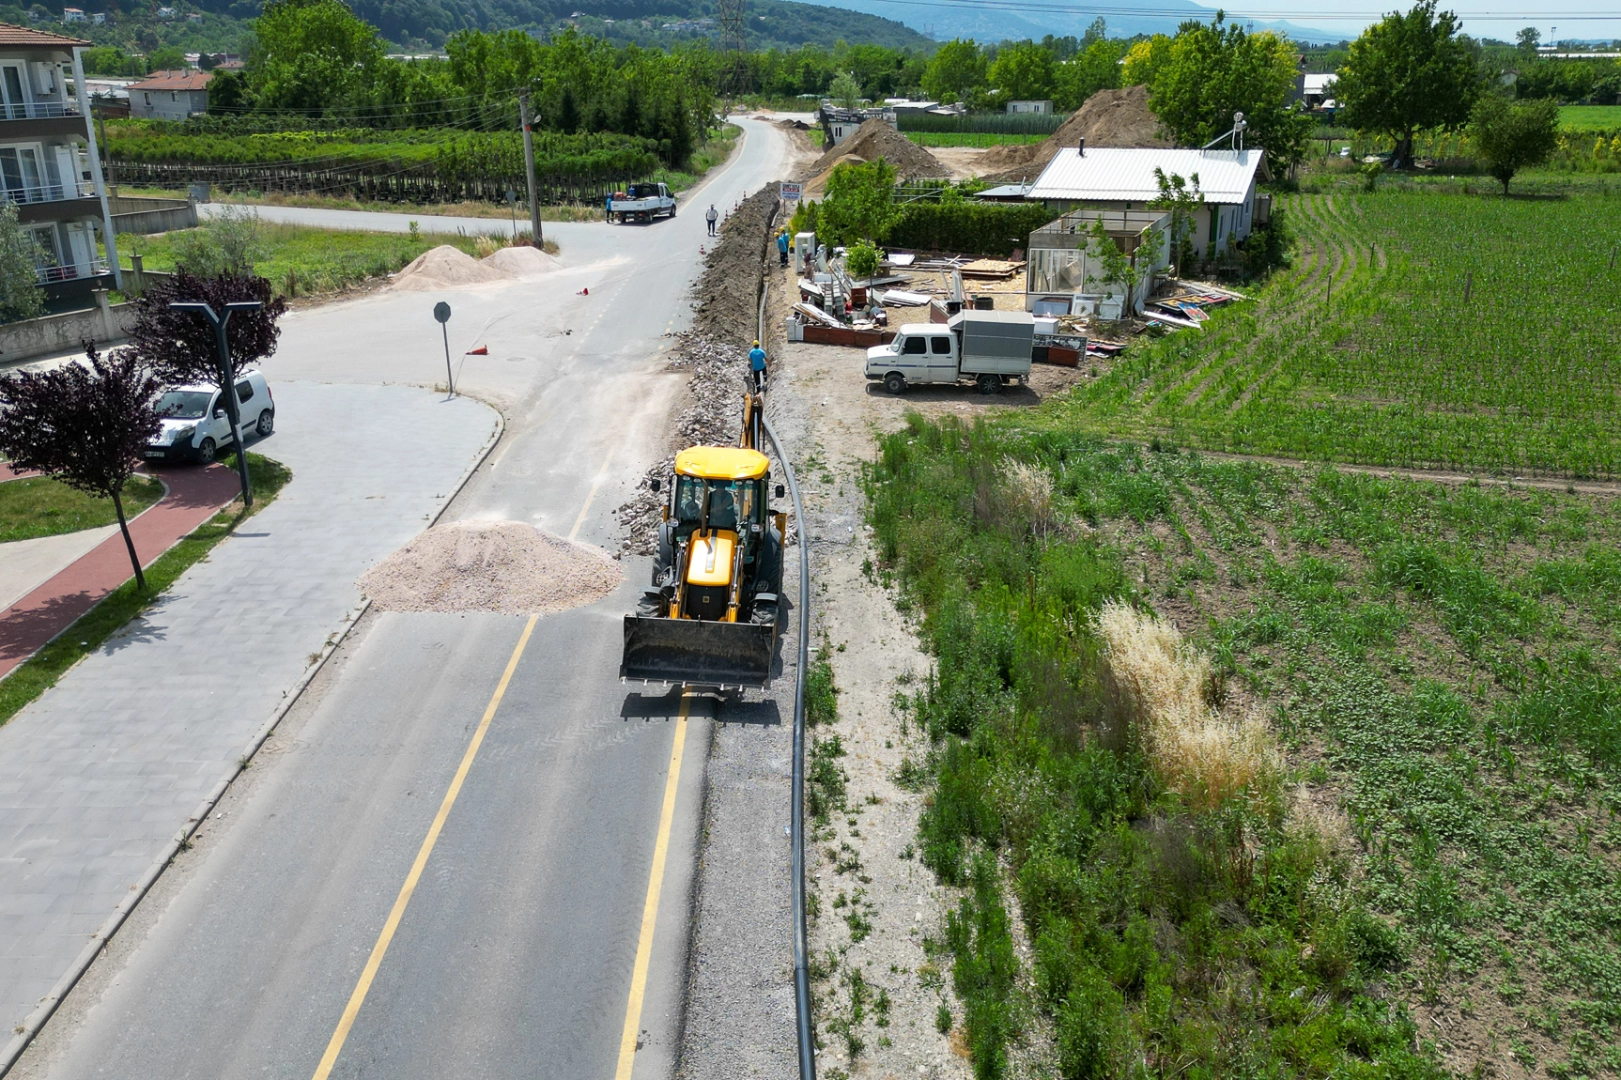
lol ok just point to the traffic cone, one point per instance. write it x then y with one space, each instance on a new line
584 292
482 350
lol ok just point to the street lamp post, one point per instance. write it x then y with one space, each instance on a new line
227 376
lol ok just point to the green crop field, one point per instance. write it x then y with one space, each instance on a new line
1590 117
1425 882
971 138
1413 329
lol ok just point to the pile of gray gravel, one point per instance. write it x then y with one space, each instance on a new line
502 566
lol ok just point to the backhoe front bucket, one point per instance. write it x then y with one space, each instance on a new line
695 652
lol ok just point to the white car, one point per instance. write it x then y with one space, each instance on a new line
196 424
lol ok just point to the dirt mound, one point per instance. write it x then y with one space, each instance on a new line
1108 118
446 267
728 292
876 139
522 261
502 566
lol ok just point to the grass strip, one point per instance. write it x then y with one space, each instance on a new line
37 506
41 671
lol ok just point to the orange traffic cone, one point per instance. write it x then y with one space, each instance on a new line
482 350
584 292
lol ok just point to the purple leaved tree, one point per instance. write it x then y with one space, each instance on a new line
180 347
83 424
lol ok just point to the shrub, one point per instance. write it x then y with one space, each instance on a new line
970 227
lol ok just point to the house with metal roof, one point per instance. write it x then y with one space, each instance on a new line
1114 178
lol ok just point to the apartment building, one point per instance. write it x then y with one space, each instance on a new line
49 167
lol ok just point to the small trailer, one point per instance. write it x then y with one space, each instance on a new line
987 348
641 202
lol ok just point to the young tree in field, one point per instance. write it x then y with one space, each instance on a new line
860 203
1406 74
1114 272
1514 135
20 294
845 90
955 72
228 244
180 347
1023 71
1214 71
83 424
1184 200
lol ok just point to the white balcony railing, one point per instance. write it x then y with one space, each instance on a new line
38 110
43 193
72 272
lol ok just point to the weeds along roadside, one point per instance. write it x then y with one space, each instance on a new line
1415 874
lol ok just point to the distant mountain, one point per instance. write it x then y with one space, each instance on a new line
947 19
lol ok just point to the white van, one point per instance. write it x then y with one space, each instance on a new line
196 424
989 348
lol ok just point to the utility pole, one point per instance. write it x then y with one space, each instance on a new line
529 167
227 377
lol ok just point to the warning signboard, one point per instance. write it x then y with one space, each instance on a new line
789 192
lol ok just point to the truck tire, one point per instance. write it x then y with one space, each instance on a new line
895 383
989 384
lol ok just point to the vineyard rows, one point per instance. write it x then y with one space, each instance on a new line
1416 330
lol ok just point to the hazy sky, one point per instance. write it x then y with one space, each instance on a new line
1587 19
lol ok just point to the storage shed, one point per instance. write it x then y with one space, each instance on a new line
1062 276
1111 178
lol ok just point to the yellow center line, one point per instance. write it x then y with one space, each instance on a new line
650 910
590 496
358 998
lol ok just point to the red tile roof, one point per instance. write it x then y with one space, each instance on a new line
174 80
22 35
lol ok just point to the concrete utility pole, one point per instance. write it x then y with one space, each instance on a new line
227 376
529 167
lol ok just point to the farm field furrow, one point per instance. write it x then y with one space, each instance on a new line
1460 332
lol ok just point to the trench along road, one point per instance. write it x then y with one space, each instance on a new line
470 852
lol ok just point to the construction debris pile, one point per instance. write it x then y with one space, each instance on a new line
508 567
876 139
715 351
1107 118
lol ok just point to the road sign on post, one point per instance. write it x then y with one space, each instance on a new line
789 192
227 376
441 311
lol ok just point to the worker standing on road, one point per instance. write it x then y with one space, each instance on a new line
782 246
757 367
712 215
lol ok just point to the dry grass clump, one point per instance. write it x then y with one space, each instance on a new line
1029 488
1162 687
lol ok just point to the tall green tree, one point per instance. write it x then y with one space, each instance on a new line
311 55
1409 73
860 203
955 72
1514 135
20 295
1213 71
1022 71
1097 67
845 90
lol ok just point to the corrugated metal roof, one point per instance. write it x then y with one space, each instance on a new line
1114 174
21 35
1318 84
175 80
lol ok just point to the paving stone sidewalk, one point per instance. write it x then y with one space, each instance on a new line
99 773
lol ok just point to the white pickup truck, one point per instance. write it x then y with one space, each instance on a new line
642 202
988 347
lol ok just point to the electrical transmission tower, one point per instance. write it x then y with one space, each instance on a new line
734 52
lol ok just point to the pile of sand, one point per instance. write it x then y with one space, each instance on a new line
445 267
522 261
876 139
1108 118
501 566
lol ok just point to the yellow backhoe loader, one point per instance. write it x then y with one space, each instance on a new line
710 617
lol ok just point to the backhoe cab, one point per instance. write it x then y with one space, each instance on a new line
710 617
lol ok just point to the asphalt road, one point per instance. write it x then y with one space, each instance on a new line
514 955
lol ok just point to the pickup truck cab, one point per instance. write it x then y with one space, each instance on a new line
196 424
988 348
642 202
